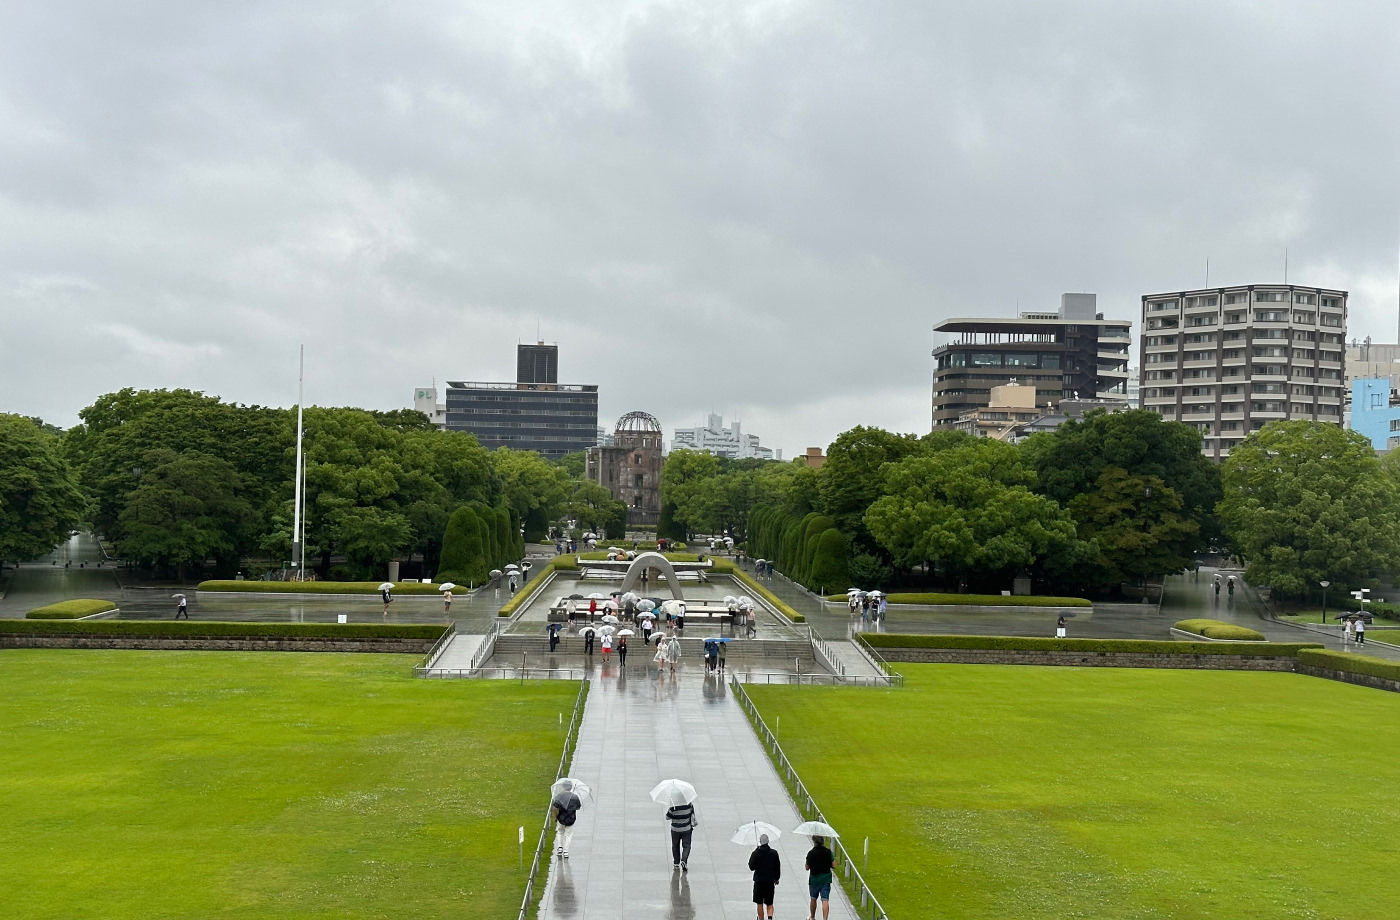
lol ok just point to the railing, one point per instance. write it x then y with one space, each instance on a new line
868 650
823 680
438 648
867 905
509 673
823 652
570 741
487 647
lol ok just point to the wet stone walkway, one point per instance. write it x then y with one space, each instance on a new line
637 731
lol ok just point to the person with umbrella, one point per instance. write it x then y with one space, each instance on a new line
673 653
1360 629
386 592
607 645
819 863
587 633
565 805
446 589
554 629
720 653
680 797
622 648
1060 627
767 870
646 628
182 608
660 657
711 655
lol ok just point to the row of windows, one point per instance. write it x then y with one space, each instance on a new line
533 396
1049 361
475 424
1202 301
1257 388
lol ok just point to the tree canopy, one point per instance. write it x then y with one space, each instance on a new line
40 499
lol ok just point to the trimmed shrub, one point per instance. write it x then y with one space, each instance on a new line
1351 664
727 567
674 557
463 554
1218 629
814 525
218 630
980 600
1038 644
70 610
407 588
829 562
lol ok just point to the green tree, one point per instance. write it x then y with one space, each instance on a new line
851 479
535 489
682 481
969 509
1306 502
597 511
370 537
40 500
1136 526
188 508
463 553
829 565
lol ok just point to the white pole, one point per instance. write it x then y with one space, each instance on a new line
298 546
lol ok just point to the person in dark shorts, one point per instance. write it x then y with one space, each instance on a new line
767 870
819 863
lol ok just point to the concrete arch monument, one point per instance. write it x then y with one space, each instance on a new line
655 562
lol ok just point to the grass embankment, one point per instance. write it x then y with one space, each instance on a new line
537 580
1044 793
1039 643
407 588
71 610
978 600
214 629
1219 629
243 785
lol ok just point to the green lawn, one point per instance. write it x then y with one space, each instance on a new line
199 784
1013 791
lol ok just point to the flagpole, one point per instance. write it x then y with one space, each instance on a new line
298 542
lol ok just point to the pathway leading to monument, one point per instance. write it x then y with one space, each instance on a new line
636 732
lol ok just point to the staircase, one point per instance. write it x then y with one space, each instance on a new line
780 653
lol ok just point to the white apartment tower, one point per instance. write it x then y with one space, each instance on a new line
1229 360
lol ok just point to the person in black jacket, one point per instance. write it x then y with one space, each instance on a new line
819 863
767 870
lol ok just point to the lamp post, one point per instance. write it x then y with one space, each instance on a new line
1324 599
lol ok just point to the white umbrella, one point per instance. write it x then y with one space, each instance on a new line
745 601
587 631
875 593
632 596
180 596
850 591
748 834
446 586
577 786
626 632
672 607
610 619
658 638
673 792
495 572
815 829
608 605
646 606
512 567
590 536
595 596
730 600
605 630
387 586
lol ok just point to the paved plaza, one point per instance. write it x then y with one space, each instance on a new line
635 733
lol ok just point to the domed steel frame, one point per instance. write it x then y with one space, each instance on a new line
639 421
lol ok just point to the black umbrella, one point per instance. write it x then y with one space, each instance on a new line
1069 616
575 597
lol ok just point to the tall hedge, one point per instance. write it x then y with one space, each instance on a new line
505 539
829 563
813 526
464 554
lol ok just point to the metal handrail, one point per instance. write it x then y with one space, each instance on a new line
570 742
878 660
815 680
820 648
868 905
438 648
487 647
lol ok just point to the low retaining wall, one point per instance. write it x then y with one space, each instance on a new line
224 643
1067 658
973 610
1361 680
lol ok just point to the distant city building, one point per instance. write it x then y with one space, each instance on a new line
535 413
721 441
1134 387
1072 352
1374 411
605 438
1009 405
813 459
631 467
1367 360
1229 360
1067 410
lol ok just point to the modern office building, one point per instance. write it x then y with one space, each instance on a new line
535 413
721 441
1374 411
630 468
1367 360
1069 353
1230 360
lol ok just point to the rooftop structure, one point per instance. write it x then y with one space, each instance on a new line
1072 352
721 441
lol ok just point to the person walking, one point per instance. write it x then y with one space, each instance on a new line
566 805
819 863
513 583
588 642
767 869
673 653
1346 632
680 616
388 598
1060 627
182 609
1360 630
646 629
553 637
607 647
592 608
683 824
660 658
711 655
622 651
447 602
722 647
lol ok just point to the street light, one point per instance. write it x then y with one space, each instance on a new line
1324 599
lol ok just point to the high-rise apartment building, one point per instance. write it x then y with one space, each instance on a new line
1070 353
1230 360
722 441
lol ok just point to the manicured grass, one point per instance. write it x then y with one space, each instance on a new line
1218 629
71 610
978 600
1088 646
219 784
1006 791
216 629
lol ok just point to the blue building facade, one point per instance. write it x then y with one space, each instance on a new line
1372 414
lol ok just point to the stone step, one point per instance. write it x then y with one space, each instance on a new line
778 650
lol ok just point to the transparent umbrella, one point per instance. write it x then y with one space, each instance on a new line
815 829
646 606
673 792
387 586
748 834
446 586
577 786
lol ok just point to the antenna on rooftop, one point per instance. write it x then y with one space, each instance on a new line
1285 265
1207 271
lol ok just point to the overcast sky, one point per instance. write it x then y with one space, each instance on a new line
753 208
